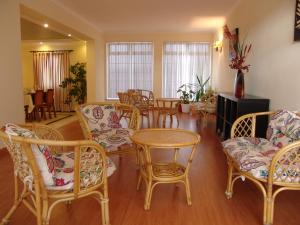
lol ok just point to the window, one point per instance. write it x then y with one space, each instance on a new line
182 61
129 66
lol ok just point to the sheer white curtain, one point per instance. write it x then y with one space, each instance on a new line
50 69
129 66
182 61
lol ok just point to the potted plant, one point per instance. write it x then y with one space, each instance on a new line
200 88
186 95
76 83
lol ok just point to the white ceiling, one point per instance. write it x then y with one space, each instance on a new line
152 15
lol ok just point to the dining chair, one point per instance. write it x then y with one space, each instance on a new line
39 105
49 104
124 99
167 107
142 103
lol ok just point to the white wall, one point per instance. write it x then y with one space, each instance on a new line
275 58
11 92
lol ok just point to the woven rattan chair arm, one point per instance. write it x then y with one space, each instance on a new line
44 131
287 157
237 125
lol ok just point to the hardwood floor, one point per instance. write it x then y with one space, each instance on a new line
208 180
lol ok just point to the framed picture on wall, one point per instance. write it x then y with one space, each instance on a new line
233 43
297 22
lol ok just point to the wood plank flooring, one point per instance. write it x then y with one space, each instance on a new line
208 180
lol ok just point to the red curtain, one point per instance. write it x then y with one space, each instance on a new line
50 69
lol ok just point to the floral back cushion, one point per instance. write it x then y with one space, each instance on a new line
284 128
42 153
101 117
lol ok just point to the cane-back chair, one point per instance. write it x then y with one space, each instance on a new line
272 163
101 122
54 171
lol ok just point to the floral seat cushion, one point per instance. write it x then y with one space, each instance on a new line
253 155
284 128
101 117
113 139
57 170
64 171
42 154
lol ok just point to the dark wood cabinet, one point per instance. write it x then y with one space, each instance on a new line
229 108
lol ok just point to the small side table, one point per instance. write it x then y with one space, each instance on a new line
154 173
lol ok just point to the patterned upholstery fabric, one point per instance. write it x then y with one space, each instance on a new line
42 154
57 170
101 118
284 128
113 139
64 171
253 155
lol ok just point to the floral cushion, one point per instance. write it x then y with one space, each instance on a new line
42 153
101 117
253 155
64 171
113 139
284 128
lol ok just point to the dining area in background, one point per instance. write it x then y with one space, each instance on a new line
37 103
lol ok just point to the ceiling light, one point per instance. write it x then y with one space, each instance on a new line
46 25
41 43
69 35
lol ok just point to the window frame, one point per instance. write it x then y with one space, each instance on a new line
107 63
185 42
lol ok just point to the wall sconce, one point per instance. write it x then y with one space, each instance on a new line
218 46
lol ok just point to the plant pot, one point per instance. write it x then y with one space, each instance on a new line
185 108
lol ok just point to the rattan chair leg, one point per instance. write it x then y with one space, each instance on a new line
5 219
148 196
17 202
148 118
45 212
229 188
177 120
157 121
268 210
105 211
188 191
138 186
164 120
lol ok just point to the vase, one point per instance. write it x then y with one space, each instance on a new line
239 84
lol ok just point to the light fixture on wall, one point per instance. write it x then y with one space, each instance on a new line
218 45
46 25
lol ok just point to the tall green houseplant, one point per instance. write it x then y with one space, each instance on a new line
76 83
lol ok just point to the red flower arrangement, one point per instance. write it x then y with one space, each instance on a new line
241 51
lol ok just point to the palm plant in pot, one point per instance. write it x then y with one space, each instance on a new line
76 83
186 95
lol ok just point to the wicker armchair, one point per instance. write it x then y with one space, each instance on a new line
273 164
100 121
80 170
